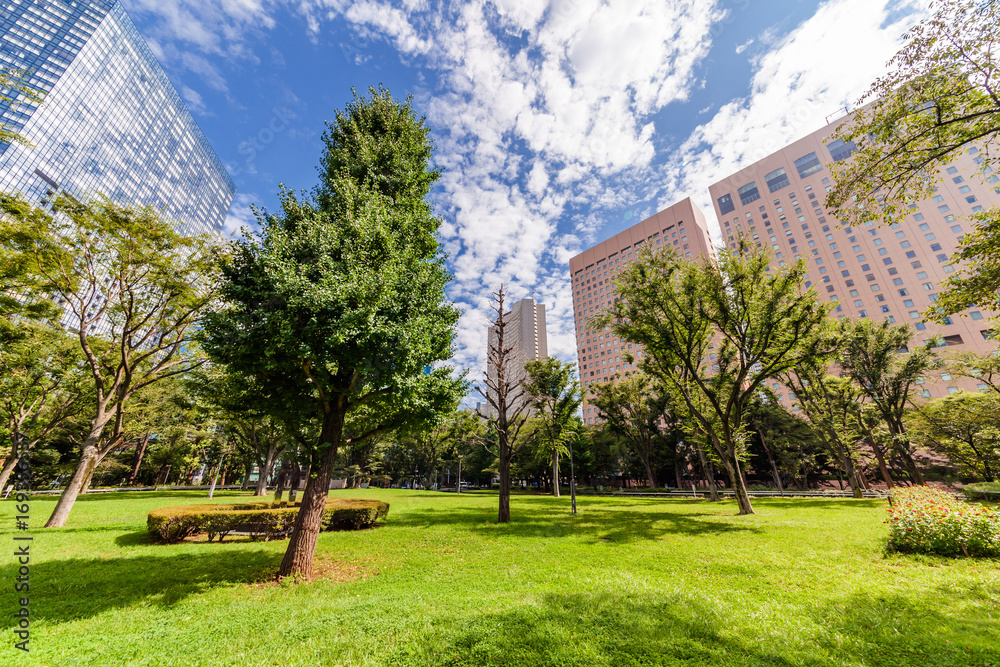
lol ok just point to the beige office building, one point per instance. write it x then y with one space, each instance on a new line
880 272
599 352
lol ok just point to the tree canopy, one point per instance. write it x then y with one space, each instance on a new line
940 98
337 306
756 323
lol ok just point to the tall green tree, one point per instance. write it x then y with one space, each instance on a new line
876 356
555 395
939 96
832 405
762 322
133 289
42 385
337 306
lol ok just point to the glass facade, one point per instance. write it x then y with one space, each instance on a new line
111 122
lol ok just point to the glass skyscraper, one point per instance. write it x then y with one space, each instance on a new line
111 122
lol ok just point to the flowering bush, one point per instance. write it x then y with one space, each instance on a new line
926 520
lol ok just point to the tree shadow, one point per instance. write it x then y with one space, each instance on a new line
929 627
539 518
593 629
76 588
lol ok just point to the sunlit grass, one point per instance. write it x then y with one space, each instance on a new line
626 582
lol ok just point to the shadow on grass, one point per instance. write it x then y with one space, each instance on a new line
594 629
75 588
682 629
539 517
942 629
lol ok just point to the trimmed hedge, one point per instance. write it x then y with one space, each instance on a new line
263 519
982 491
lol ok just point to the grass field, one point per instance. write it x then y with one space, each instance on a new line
626 582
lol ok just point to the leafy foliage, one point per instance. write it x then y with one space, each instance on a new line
877 357
336 307
763 323
939 95
938 99
20 94
965 427
133 289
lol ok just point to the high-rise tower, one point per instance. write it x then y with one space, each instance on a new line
111 122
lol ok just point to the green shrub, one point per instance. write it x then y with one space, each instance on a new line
982 491
927 520
261 519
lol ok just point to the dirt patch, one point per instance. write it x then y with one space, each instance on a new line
326 569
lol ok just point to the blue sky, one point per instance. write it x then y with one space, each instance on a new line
557 124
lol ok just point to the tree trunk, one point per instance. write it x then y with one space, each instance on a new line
84 471
901 443
555 473
279 485
709 470
503 512
742 497
8 466
911 466
301 550
140 452
678 475
851 470
883 468
265 471
246 477
215 477
293 487
650 477
774 465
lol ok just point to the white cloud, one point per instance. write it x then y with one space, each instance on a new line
194 101
240 215
543 114
564 95
805 76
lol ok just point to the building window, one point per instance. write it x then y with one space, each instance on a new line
841 150
808 164
777 179
726 204
748 193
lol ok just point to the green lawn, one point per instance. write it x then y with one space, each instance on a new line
626 582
